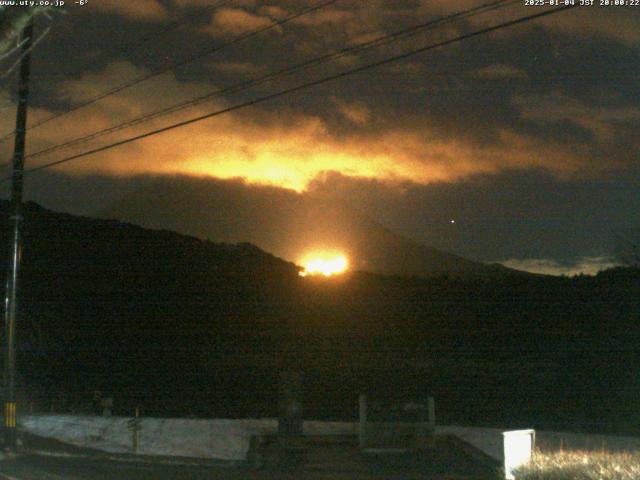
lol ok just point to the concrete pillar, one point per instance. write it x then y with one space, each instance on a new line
290 416
431 413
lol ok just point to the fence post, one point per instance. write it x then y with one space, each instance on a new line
134 425
362 431
135 433
431 421
431 413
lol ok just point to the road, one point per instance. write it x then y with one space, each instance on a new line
47 467
41 467
318 459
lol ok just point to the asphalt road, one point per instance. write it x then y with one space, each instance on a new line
318 460
41 467
46 467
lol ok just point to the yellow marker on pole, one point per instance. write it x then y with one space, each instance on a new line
10 415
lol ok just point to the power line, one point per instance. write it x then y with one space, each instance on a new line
183 62
359 47
306 85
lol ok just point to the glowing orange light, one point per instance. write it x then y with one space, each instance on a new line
324 263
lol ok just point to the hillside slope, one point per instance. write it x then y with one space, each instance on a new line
287 225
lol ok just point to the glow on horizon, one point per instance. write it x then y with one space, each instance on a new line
326 264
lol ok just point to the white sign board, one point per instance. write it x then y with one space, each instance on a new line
518 446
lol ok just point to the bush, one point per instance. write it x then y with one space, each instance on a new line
580 465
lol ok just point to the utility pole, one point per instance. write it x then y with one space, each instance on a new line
15 247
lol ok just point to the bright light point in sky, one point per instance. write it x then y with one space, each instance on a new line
326 264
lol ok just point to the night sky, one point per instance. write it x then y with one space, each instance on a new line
519 146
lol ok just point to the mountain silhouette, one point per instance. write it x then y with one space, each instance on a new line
288 225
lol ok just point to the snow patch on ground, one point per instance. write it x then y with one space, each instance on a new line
219 439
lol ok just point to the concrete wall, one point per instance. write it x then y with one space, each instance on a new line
488 440
224 439
219 439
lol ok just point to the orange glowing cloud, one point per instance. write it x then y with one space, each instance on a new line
284 148
235 21
356 113
141 10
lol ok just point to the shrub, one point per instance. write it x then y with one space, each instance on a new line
581 465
